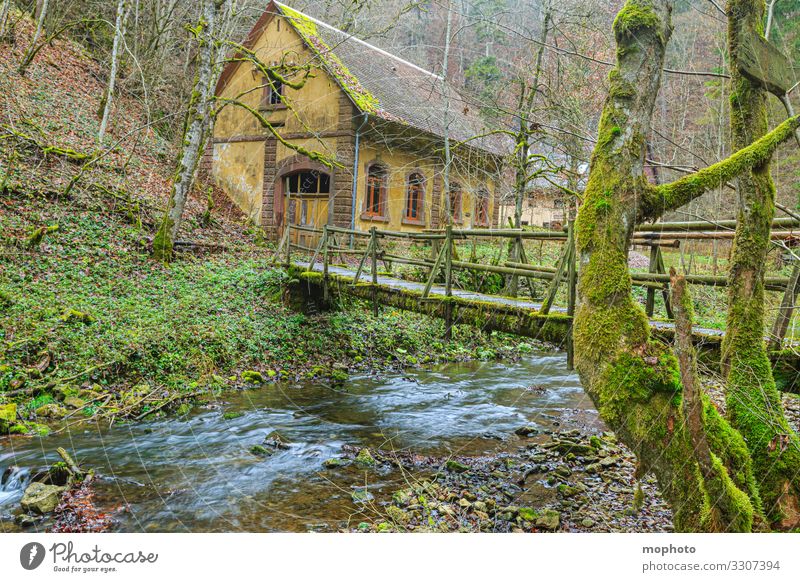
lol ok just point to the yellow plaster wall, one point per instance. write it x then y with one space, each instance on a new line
238 167
400 165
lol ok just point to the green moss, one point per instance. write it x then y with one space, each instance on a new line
307 29
252 377
633 18
365 458
73 315
8 417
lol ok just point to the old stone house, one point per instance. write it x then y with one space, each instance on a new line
381 118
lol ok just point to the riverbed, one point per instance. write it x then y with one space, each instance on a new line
197 473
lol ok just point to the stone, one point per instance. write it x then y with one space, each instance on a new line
527 514
587 522
274 441
455 466
567 491
334 462
260 451
252 377
25 520
464 503
403 497
480 506
609 461
361 496
8 417
365 458
527 431
40 498
397 515
74 402
51 410
549 519
563 471
566 447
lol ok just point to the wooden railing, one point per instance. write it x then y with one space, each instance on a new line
442 263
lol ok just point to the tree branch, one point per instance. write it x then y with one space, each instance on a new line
659 200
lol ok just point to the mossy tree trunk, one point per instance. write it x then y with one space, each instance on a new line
753 400
194 134
634 381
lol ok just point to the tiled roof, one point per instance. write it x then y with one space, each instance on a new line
388 87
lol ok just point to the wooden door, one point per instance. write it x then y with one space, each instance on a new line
306 200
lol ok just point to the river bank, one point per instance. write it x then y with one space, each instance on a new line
91 327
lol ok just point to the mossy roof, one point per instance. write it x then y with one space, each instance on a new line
388 87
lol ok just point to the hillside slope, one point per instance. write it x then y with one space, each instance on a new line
91 326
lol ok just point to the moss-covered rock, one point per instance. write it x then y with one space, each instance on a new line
40 498
261 451
51 410
365 458
75 316
528 514
455 466
252 377
335 462
8 417
74 402
549 519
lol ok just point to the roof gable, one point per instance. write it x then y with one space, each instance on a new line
383 85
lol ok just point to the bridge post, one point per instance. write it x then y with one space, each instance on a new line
651 291
325 261
448 282
374 248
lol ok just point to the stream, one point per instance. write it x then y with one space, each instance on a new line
197 473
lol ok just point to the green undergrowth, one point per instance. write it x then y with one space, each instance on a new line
89 314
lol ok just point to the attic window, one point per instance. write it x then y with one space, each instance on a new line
273 93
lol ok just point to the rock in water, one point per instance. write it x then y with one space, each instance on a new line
527 431
334 462
365 458
549 520
40 498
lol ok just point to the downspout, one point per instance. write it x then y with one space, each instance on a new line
365 117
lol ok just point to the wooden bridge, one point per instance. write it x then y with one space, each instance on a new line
347 261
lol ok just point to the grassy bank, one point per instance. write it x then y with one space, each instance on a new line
92 326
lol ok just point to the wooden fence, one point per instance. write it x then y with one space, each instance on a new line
442 262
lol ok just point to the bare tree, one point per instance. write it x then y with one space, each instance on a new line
5 8
194 133
31 52
119 33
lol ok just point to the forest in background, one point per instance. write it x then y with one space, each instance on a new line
549 82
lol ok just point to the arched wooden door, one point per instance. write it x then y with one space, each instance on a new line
306 196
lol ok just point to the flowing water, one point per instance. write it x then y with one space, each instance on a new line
197 474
